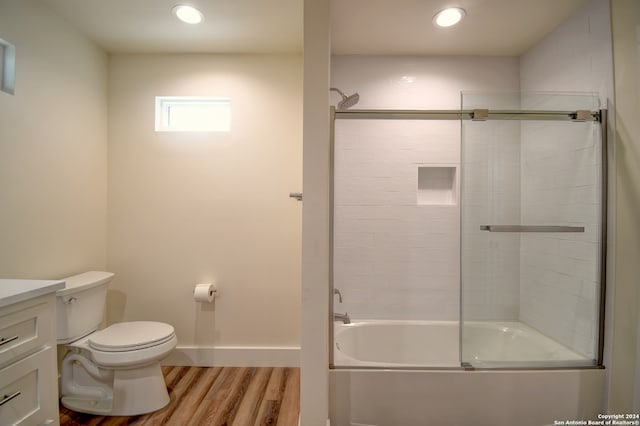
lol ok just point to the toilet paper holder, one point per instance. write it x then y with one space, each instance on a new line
205 292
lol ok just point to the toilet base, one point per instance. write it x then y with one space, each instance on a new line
133 392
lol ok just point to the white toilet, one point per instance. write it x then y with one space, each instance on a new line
114 371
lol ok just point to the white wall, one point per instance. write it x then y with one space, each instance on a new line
625 387
395 258
53 148
314 354
576 56
186 208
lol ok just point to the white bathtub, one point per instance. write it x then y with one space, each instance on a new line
375 343
407 373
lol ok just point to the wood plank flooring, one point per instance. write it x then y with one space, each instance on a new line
217 396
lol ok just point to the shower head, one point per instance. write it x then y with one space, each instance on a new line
347 101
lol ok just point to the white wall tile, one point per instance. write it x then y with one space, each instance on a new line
490 196
394 258
402 259
576 56
560 186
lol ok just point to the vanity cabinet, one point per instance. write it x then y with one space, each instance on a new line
28 366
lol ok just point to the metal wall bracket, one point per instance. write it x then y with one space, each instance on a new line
296 195
480 114
583 115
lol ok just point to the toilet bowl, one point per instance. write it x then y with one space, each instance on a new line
114 371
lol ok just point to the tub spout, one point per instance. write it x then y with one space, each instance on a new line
342 317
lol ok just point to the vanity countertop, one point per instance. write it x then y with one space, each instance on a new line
16 290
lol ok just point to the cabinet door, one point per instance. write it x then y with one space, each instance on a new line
28 393
24 327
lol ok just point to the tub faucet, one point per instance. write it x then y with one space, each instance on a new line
342 317
336 291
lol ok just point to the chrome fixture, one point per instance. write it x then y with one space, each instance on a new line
336 291
530 228
342 317
347 101
475 114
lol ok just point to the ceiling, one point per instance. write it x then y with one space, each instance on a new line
491 27
242 26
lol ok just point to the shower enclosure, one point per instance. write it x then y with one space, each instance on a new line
470 239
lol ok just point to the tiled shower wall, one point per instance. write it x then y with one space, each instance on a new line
490 196
533 173
396 246
396 257
559 272
552 299
576 56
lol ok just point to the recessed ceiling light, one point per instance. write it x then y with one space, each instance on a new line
449 17
188 14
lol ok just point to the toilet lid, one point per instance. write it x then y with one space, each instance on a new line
130 336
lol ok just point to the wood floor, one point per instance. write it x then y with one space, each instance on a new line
234 396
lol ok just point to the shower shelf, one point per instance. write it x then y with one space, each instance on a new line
530 228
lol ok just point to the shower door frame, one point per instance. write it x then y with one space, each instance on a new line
477 115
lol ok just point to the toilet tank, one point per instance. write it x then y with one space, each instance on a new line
80 304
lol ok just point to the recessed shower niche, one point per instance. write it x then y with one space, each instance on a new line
437 185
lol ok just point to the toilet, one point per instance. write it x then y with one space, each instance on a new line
114 371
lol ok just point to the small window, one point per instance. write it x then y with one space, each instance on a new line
192 114
7 67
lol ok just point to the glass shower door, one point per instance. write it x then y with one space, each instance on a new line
531 230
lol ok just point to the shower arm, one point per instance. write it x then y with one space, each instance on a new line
347 101
333 89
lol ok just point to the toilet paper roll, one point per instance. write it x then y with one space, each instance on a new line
204 293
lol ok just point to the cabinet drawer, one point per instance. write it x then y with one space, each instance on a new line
24 330
24 389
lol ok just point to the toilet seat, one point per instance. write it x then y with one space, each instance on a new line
130 336
126 345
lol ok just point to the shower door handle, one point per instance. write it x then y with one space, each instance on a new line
530 228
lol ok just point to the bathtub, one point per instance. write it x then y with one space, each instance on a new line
435 344
407 373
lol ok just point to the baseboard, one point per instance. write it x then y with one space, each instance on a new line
227 356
